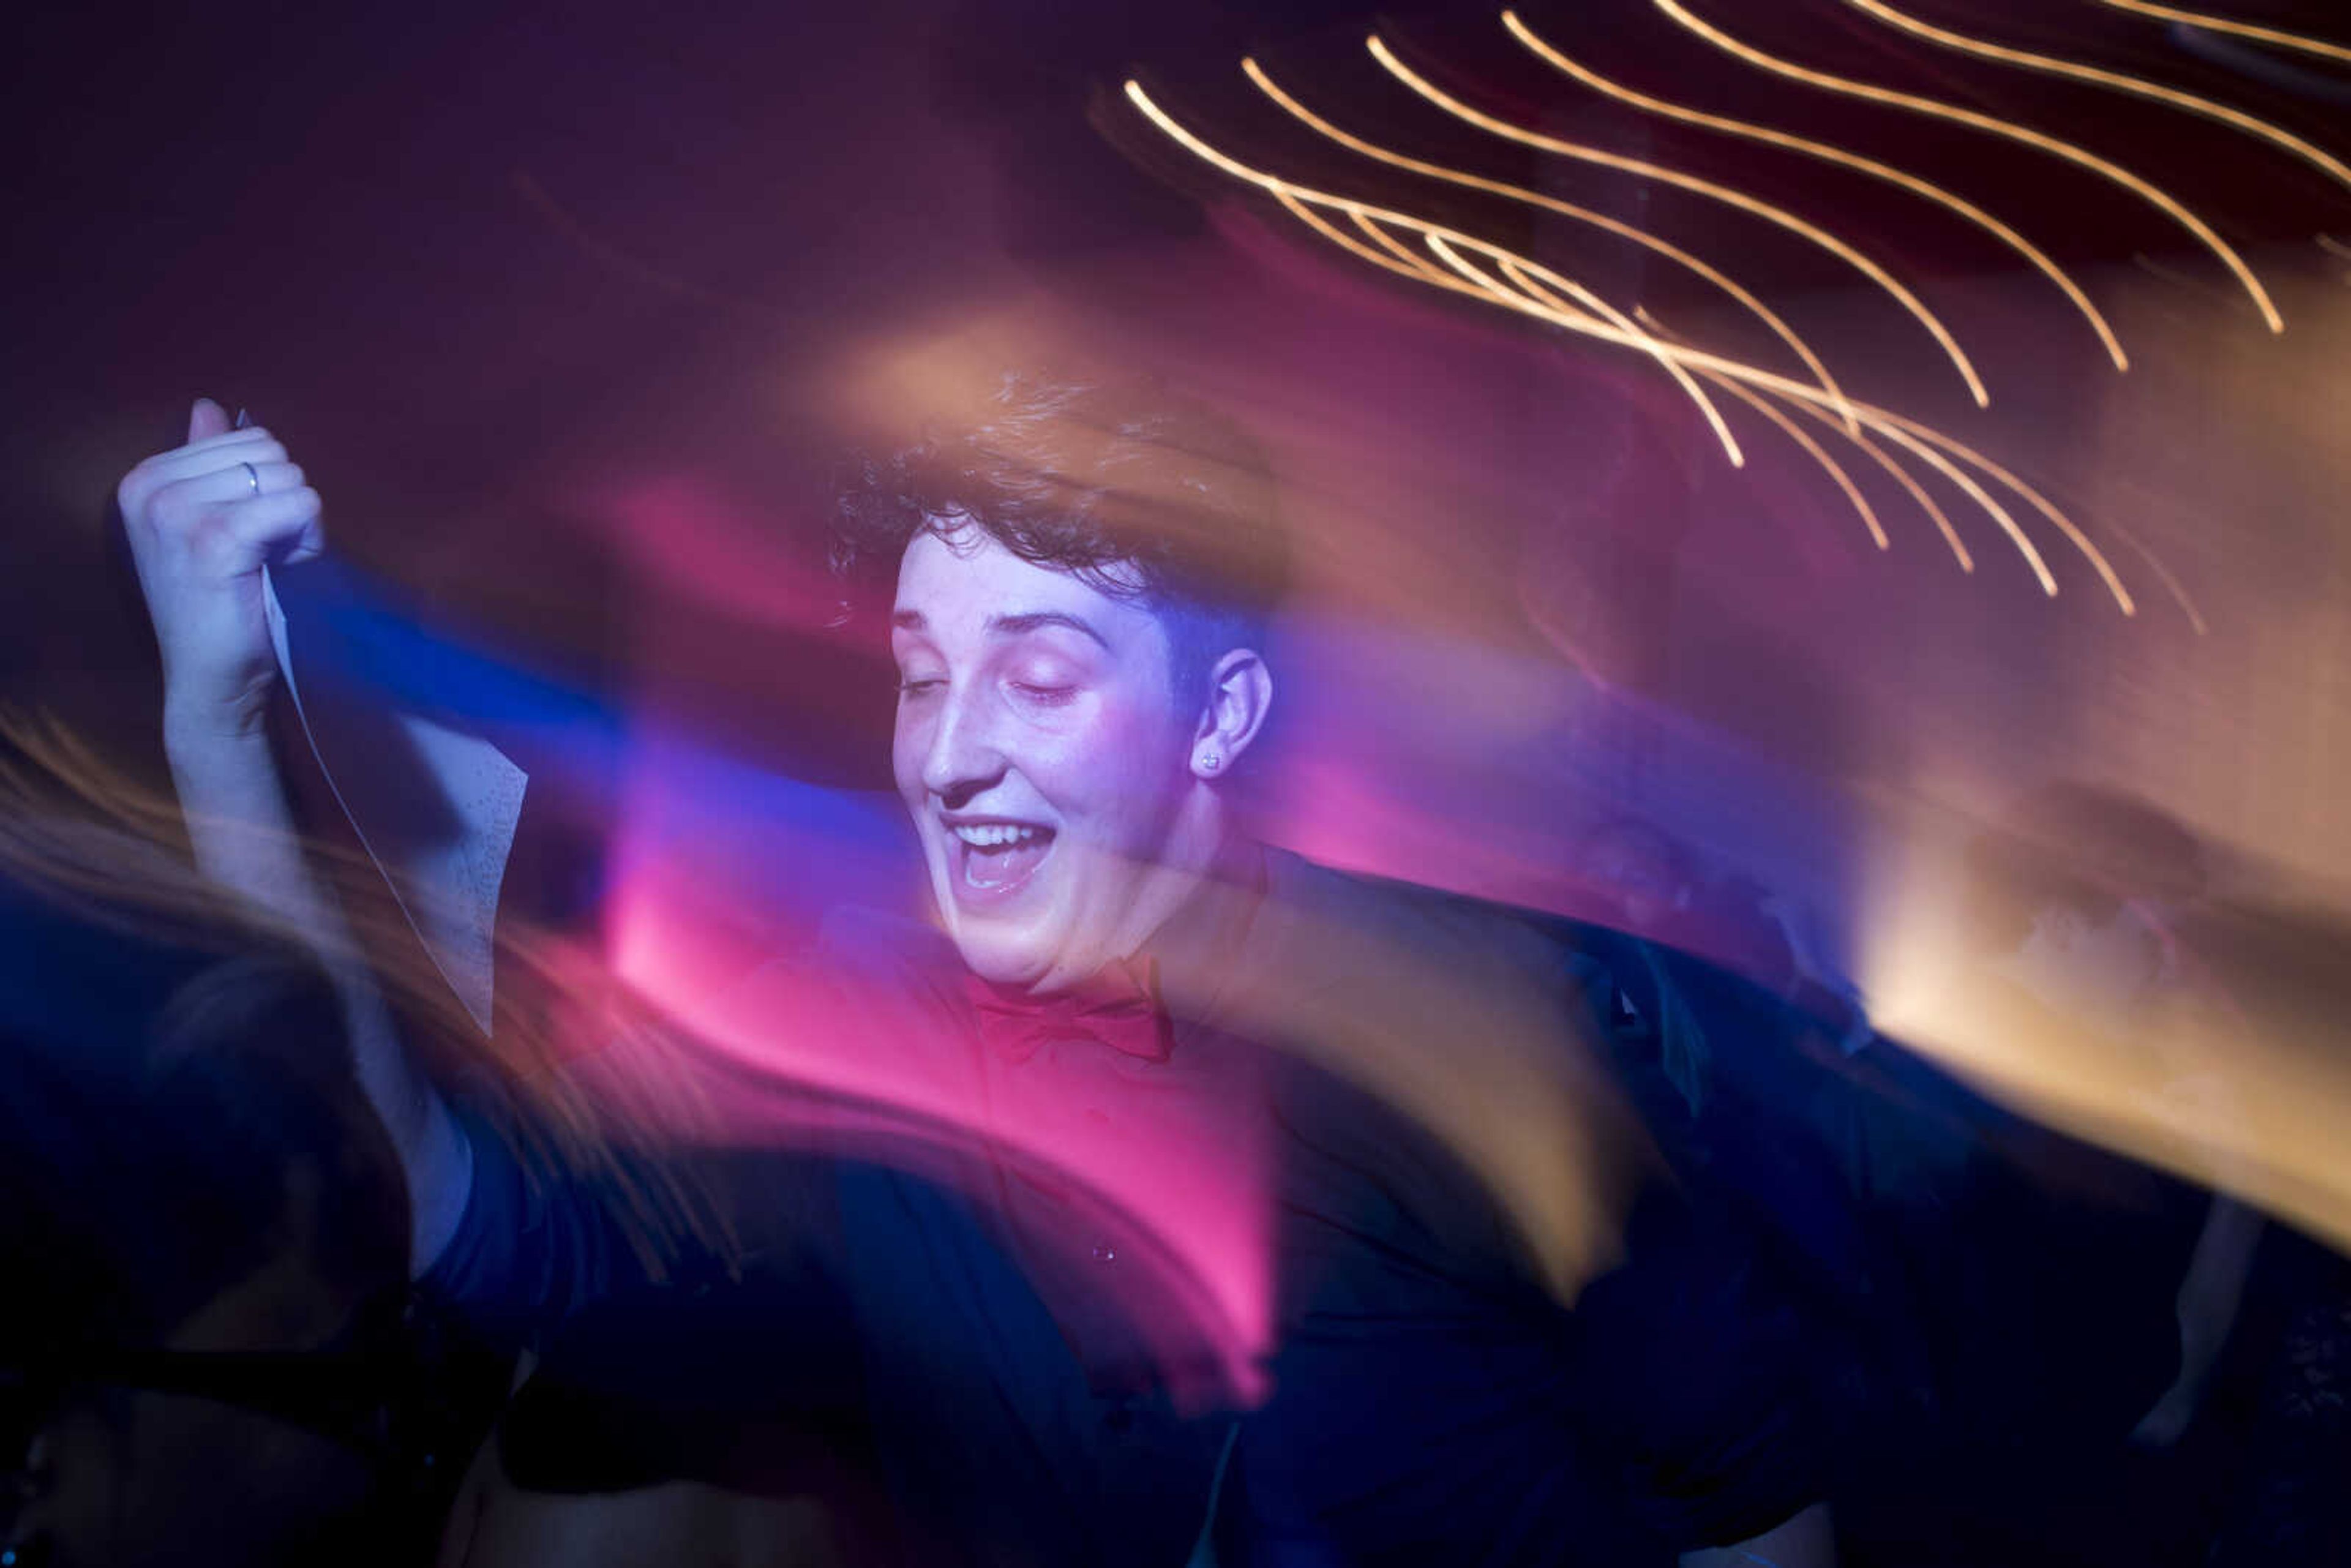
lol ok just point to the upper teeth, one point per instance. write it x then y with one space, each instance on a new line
990 835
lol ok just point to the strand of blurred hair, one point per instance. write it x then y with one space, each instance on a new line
81 833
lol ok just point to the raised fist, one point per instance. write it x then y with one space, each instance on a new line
204 519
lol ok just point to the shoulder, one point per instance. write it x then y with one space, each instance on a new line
1459 1020
1360 929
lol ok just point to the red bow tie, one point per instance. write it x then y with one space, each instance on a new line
1118 1008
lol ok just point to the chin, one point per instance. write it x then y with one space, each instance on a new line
1001 959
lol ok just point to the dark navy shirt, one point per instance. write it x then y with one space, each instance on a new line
1308 1274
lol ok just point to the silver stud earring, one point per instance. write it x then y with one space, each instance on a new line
1210 762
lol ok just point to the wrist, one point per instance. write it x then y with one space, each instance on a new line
195 726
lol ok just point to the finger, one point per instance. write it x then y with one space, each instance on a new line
168 468
181 503
230 441
283 529
225 439
207 418
184 462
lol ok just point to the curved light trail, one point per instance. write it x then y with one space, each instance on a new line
1778 216
2164 575
1674 253
1813 449
2032 498
2299 42
2116 81
1655 347
1299 198
1558 58
2008 129
1901 477
1920 440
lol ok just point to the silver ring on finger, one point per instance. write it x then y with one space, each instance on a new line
252 477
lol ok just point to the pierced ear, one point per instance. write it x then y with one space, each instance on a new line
1241 693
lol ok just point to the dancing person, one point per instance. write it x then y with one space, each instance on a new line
1217 1118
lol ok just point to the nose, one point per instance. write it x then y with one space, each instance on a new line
962 758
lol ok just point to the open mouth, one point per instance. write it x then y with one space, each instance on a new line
993 859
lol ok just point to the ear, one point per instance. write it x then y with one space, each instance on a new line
1241 693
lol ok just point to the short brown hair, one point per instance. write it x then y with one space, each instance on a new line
1141 494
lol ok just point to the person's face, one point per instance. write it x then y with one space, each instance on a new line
1044 758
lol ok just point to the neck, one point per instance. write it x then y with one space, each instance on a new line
1201 848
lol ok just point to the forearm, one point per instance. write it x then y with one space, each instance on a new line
242 829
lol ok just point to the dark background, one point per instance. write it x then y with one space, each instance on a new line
480 264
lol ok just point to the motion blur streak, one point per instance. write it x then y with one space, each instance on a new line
803 1071
1895 429
2252 1105
1901 476
1550 307
1642 237
2038 503
2210 23
1919 439
1936 193
2008 129
1296 197
2170 581
1591 301
1777 215
1877 454
1796 433
2138 87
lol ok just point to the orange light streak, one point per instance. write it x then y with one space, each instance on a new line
1658 351
2007 129
1822 150
1917 491
1295 196
2039 502
1411 265
2001 515
2163 575
1300 201
1779 216
1592 308
2283 40
2138 87
1421 266
1900 475
1755 306
1819 455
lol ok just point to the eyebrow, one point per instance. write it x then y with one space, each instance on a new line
1019 625
1038 620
